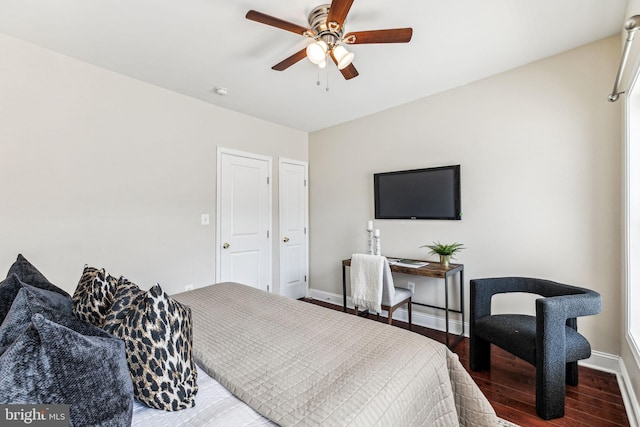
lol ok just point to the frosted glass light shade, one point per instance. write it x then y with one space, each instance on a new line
317 51
343 56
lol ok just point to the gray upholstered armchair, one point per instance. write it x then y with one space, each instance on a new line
549 340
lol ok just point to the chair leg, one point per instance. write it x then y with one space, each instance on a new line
550 389
355 309
409 312
390 315
479 354
572 373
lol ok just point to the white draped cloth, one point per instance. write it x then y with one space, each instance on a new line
370 274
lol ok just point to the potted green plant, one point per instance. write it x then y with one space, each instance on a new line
445 251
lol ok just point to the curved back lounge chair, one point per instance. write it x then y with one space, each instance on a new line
549 340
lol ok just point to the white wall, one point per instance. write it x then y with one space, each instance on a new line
99 168
540 152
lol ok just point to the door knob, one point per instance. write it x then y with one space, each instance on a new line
225 245
286 239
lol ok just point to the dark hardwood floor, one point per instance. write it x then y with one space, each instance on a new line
510 387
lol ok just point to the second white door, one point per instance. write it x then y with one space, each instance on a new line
293 228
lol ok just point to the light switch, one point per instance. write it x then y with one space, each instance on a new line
204 219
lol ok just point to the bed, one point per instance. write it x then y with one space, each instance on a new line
297 364
244 356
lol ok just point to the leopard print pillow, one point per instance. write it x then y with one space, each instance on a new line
127 297
94 295
157 332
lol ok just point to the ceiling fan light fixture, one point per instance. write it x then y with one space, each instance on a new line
317 51
326 36
343 56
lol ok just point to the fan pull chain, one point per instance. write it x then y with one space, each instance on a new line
327 89
318 82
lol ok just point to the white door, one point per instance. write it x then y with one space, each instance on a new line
293 228
244 219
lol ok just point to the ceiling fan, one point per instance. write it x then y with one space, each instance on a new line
326 28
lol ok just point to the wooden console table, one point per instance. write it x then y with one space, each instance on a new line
432 269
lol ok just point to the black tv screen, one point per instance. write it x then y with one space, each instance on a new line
432 193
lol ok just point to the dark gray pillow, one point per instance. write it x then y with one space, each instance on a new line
158 332
31 276
94 295
10 287
49 363
25 305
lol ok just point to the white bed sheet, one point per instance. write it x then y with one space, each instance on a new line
215 406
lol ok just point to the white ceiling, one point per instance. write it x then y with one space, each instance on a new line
190 46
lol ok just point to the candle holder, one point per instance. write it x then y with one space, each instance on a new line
377 250
370 249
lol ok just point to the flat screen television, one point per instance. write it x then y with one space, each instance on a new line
431 193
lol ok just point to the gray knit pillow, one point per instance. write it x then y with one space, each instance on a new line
29 302
49 363
10 287
32 276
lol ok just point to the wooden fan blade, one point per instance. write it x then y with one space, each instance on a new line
276 22
298 56
396 35
348 72
338 13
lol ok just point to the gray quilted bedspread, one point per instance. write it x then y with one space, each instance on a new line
299 364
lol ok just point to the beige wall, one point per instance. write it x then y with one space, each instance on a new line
98 168
540 151
102 169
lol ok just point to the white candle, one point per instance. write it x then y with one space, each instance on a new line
369 225
376 232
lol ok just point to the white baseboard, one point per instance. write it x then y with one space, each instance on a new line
628 395
600 361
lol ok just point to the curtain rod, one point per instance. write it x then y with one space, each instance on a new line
632 25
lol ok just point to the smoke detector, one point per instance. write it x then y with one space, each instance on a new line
221 91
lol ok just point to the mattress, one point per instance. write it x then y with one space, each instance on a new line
215 406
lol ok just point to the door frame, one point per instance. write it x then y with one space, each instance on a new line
228 151
281 161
